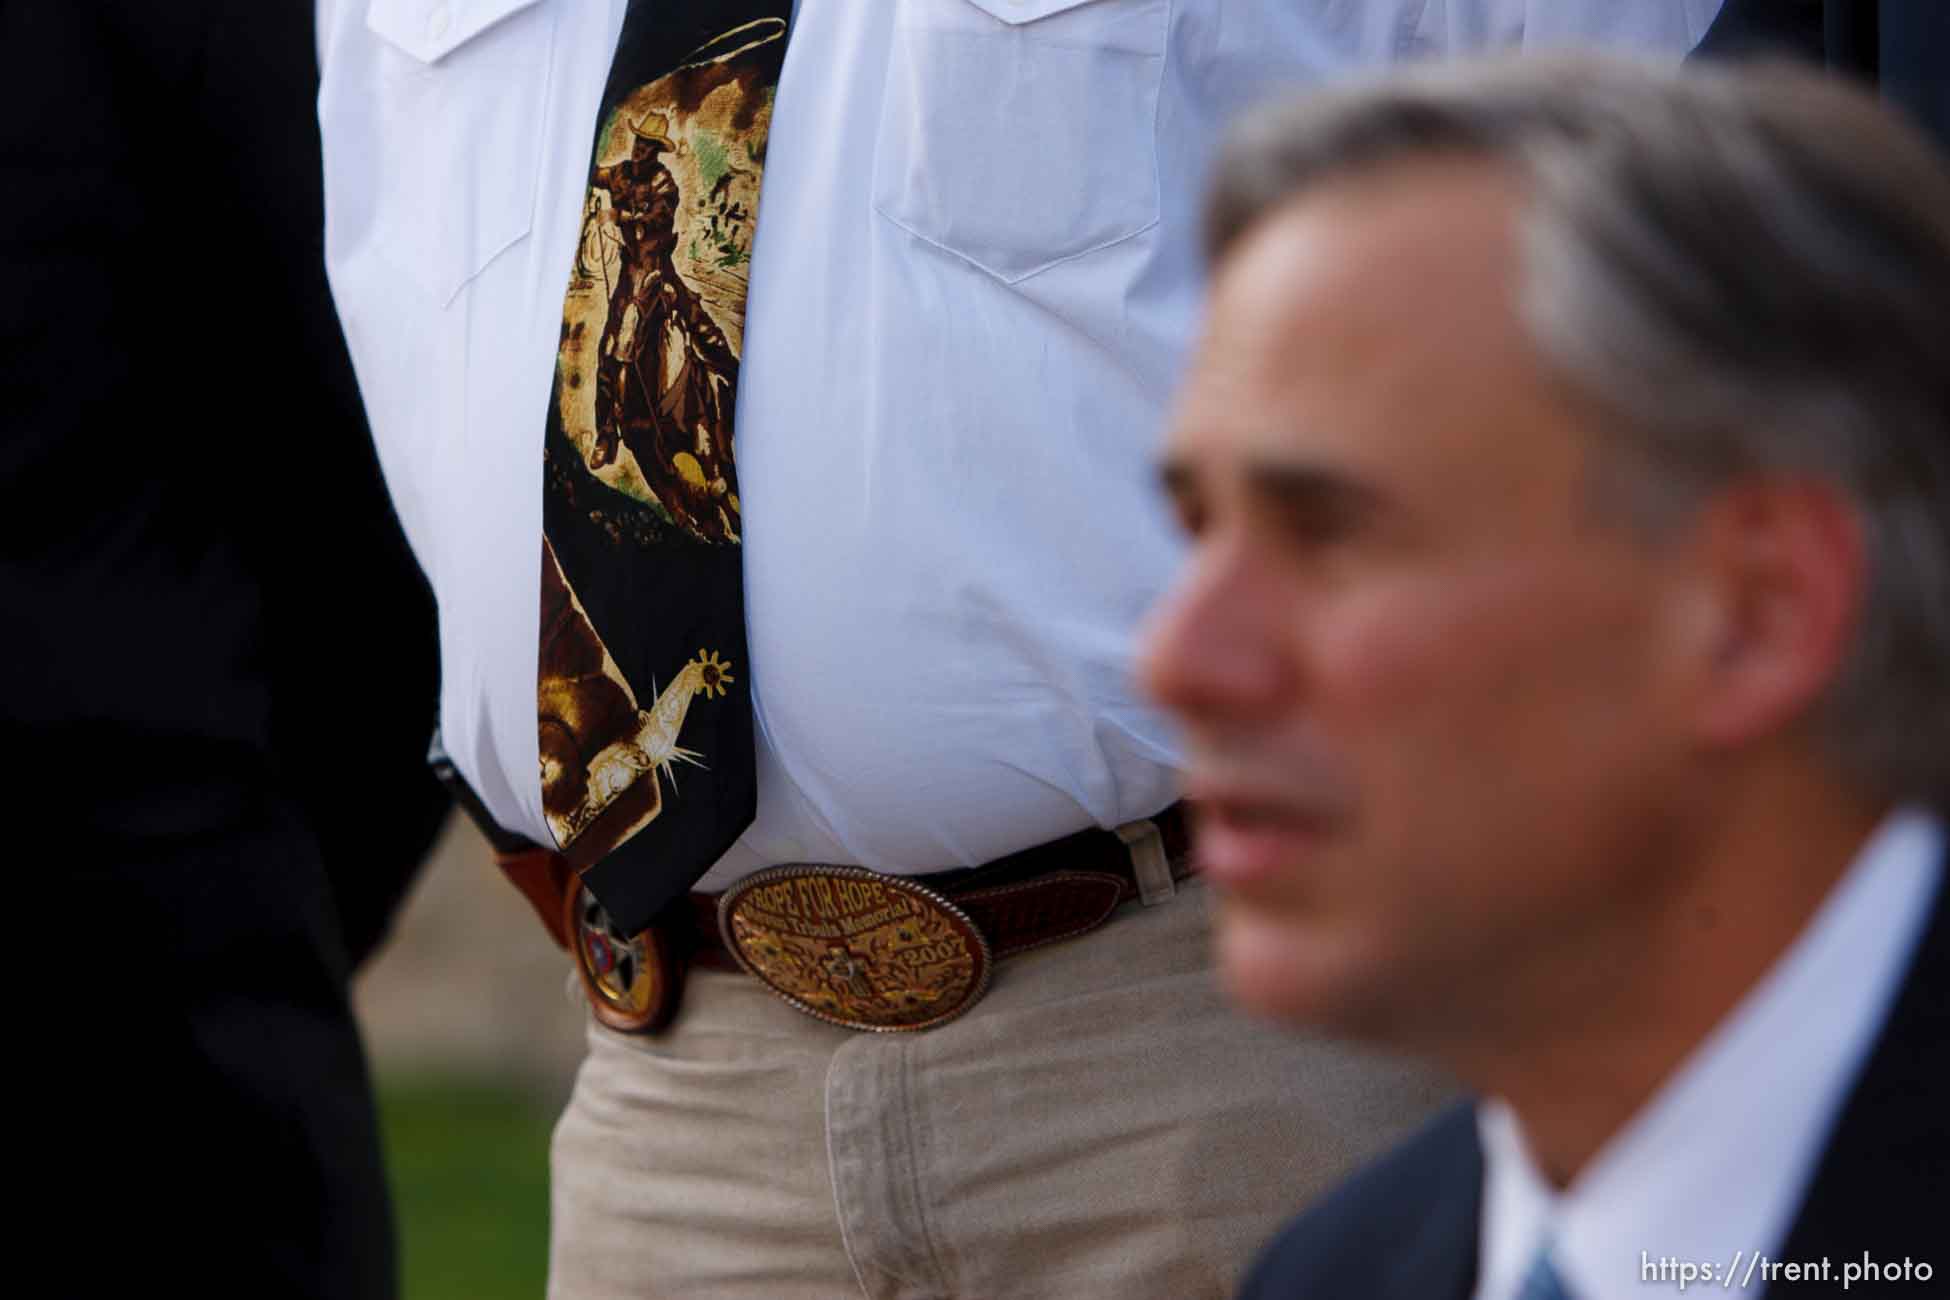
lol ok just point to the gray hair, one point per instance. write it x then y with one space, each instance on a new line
1743 271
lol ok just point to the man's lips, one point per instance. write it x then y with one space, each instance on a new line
1240 840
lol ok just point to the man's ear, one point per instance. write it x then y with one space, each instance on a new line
1786 566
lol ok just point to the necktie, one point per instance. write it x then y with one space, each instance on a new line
644 698
1542 1281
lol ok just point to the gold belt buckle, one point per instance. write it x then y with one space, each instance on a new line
856 948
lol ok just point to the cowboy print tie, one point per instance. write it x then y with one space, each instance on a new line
644 706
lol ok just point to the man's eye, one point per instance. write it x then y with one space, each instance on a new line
1314 527
1327 516
1183 498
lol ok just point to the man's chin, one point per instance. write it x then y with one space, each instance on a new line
1278 968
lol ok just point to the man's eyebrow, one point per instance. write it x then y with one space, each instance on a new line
1297 487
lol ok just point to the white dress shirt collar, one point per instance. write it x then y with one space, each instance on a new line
1718 1160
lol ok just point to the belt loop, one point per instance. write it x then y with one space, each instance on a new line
1149 862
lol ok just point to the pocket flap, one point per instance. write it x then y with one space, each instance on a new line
1017 12
431 29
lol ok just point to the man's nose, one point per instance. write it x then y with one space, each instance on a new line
1211 647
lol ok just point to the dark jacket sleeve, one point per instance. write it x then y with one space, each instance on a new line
199 556
1402 1228
351 655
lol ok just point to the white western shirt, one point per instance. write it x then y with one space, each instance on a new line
974 279
1711 1170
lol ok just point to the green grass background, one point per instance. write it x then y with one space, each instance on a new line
468 1159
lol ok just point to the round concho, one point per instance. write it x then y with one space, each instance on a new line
630 979
856 948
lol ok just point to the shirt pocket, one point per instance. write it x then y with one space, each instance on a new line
1021 133
462 89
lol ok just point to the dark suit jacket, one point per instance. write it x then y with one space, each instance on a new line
219 657
1406 1227
1901 45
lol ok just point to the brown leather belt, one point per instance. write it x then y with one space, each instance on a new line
853 947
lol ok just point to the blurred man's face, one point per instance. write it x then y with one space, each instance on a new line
1431 730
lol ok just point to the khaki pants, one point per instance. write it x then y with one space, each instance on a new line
1101 1124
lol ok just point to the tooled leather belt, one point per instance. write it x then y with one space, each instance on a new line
884 953
853 947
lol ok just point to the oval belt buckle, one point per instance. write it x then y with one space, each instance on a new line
631 981
856 948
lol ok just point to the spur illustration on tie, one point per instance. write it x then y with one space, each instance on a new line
597 746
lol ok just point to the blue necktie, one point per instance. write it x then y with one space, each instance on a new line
1542 1281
